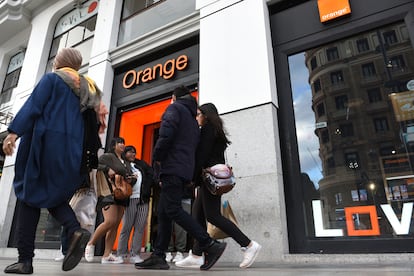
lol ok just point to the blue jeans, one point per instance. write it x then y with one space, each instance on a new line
169 210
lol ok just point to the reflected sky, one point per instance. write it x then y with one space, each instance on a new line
308 142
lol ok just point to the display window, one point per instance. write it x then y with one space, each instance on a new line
351 108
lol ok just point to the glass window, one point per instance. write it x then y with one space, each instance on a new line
317 86
79 37
368 70
390 37
140 17
321 109
363 157
12 77
362 45
337 77
374 95
341 102
313 63
380 124
332 54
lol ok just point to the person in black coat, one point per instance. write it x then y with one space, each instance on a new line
174 153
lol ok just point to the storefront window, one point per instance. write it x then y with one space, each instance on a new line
143 16
356 140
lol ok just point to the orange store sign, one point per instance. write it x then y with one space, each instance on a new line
331 9
400 226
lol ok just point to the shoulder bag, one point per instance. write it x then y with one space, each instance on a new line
219 179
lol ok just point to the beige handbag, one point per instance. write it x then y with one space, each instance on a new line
227 212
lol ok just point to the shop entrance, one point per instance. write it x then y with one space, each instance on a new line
139 127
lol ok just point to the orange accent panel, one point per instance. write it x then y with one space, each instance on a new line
331 9
372 211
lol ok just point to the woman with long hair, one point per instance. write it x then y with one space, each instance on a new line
111 163
210 151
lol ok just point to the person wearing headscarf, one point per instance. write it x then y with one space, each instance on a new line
51 161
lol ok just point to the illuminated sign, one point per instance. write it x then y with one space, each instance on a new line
400 227
403 104
166 70
331 9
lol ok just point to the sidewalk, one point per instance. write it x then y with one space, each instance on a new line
44 267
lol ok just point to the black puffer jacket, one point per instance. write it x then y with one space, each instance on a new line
179 136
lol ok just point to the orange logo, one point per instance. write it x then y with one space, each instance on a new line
331 9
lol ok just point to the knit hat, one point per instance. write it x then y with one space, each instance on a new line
181 91
68 57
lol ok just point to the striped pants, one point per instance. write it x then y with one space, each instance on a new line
135 216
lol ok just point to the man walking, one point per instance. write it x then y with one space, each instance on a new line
174 153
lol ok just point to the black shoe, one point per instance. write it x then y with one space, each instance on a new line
153 262
76 249
19 268
212 254
104 201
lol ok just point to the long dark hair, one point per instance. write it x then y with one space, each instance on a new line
210 112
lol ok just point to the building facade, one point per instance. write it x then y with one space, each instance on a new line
319 110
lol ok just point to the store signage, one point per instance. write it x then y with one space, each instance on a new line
331 9
403 105
410 85
166 70
76 16
400 227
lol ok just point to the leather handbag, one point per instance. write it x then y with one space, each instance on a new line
219 179
122 188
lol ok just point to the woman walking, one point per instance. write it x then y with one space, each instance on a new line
210 151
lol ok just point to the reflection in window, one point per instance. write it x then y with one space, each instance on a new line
368 70
132 7
341 102
12 77
337 77
374 95
371 143
362 45
380 124
332 54
390 37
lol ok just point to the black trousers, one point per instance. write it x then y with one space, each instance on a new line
27 221
206 207
169 210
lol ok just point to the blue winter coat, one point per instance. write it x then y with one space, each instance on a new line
50 126
178 139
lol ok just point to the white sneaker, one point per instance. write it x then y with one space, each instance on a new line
135 259
191 261
89 253
60 257
168 257
112 259
250 254
178 257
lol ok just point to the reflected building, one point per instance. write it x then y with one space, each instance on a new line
364 121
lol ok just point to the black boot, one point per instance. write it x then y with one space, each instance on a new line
19 268
76 249
153 262
212 254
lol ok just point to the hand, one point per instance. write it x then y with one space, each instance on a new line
9 143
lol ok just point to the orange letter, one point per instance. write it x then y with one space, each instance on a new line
169 69
371 210
154 70
182 62
130 83
147 75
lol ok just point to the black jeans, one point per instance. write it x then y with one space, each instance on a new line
27 220
206 207
169 210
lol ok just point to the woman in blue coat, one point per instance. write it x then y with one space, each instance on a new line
50 157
